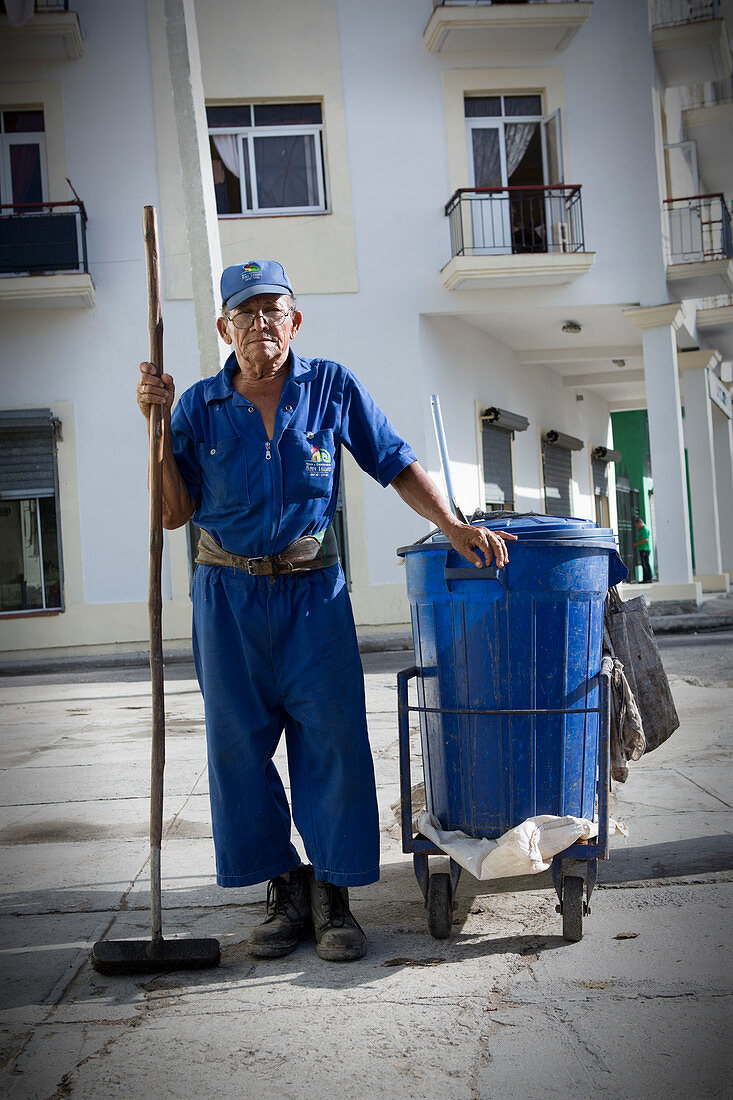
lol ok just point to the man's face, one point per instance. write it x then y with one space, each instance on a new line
262 346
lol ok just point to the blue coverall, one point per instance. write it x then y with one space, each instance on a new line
276 653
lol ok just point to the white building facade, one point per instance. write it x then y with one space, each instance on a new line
471 200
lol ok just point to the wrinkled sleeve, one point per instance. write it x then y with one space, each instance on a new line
185 452
370 436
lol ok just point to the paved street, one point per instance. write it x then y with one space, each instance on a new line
641 1007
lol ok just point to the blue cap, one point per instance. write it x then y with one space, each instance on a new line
243 281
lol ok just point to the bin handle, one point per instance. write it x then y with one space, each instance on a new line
471 573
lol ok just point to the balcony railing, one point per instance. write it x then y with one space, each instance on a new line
477 3
42 6
42 238
699 229
670 13
709 94
495 221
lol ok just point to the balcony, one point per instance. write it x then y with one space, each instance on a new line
707 114
539 27
52 33
690 41
43 256
715 321
699 246
515 236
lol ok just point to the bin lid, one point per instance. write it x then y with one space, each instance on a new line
539 529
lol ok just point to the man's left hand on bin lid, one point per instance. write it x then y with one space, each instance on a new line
253 457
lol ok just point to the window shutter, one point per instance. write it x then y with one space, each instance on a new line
496 444
27 454
600 477
558 472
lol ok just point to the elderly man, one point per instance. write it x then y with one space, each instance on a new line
253 456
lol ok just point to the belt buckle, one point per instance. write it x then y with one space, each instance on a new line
253 563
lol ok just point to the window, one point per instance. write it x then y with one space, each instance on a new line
558 472
267 158
600 492
511 145
23 156
497 433
496 446
30 550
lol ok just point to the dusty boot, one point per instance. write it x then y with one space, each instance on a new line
339 937
288 915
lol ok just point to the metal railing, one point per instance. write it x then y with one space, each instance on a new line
42 6
487 221
707 95
669 13
43 237
717 301
491 3
698 229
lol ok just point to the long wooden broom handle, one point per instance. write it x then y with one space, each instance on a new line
155 603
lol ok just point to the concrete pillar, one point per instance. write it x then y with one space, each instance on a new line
658 325
199 200
701 461
723 449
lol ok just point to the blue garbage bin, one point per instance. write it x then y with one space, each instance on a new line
525 641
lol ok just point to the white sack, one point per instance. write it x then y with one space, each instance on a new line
526 849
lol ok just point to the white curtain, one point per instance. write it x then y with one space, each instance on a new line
19 11
518 137
226 147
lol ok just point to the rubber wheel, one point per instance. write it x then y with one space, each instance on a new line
440 906
572 908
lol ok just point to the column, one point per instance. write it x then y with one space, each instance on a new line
694 366
199 201
723 448
658 325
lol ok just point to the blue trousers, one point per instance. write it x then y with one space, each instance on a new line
276 654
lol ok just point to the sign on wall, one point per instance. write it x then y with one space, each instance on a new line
719 394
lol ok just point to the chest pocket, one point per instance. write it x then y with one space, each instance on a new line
308 460
224 474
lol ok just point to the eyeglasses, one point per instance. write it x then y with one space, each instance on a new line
271 316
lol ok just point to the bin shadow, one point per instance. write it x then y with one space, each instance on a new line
697 855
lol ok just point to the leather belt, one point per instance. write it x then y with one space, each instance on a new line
302 556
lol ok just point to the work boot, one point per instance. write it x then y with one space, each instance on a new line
288 915
339 936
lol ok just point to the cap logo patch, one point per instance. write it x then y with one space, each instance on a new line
251 271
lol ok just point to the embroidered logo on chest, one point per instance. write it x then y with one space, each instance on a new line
319 464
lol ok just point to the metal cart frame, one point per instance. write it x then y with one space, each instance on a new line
574 870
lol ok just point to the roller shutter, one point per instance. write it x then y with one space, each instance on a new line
27 454
558 474
600 477
496 445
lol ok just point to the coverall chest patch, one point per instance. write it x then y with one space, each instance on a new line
308 463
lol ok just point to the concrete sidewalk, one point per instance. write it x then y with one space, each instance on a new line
639 1008
715 613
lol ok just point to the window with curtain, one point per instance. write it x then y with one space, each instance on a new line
22 157
267 158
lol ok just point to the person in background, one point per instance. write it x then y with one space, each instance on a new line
642 543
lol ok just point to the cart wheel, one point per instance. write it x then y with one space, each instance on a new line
572 908
440 906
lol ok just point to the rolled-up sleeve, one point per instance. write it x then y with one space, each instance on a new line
370 436
185 452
